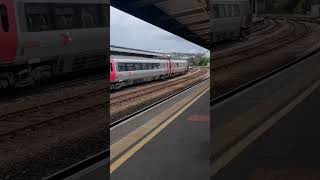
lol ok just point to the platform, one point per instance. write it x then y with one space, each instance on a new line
243 122
171 140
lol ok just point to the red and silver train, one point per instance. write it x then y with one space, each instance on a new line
43 38
127 70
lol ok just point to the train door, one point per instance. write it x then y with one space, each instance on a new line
8 32
112 70
172 67
168 68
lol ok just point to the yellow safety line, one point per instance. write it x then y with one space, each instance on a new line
115 165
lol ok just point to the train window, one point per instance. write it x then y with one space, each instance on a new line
221 11
150 66
130 66
226 11
110 67
96 16
122 67
215 11
66 18
233 14
53 16
38 18
4 18
104 16
144 66
137 66
230 10
236 10
88 15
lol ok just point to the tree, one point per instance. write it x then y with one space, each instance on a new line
291 6
201 61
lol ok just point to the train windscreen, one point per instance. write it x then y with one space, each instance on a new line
4 18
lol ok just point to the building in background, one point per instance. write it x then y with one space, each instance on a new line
207 54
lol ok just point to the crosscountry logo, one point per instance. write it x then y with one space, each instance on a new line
66 38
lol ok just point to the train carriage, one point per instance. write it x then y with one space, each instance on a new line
128 70
43 38
229 18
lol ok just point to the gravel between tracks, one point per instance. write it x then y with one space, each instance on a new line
37 152
234 76
153 94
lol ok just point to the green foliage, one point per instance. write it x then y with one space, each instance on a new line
291 6
202 61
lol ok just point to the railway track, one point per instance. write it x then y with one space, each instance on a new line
256 28
114 94
63 109
296 31
278 28
51 115
76 168
17 121
10 95
227 95
104 155
251 81
270 27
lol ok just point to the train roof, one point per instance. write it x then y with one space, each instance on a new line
142 58
134 52
134 57
67 1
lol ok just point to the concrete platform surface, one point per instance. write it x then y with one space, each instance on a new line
178 151
241 120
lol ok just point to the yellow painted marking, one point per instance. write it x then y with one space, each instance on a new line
255 134
127 141
157 130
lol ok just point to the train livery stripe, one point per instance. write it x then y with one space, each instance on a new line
128 70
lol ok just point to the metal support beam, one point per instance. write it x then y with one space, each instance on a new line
148 11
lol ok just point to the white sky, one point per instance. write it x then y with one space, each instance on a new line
129 31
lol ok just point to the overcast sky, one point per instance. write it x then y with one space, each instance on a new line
129 31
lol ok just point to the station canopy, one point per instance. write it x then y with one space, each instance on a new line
188 19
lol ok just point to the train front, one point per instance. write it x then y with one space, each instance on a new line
112 73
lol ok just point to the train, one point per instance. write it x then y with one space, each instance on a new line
230 19
130 70
40 39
